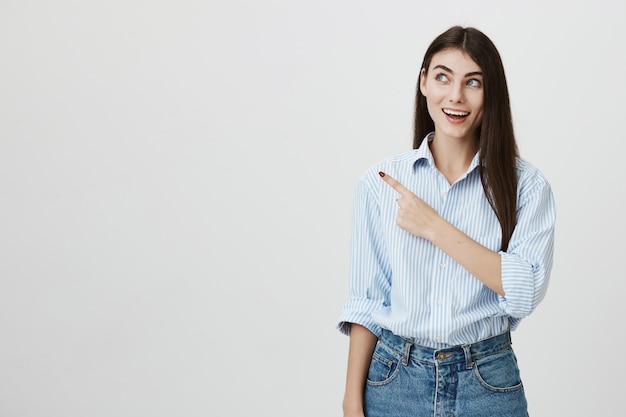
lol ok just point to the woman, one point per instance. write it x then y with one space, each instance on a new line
452 247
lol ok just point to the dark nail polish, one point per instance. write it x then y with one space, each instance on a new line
382 174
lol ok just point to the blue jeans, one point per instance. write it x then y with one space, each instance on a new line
477 380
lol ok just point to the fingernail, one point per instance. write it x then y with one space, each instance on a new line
382 174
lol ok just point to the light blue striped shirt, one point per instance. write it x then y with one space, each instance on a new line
406 284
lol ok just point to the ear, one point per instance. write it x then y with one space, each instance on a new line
423 82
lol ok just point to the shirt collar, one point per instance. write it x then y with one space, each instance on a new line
423 153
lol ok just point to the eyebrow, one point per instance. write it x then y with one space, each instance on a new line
469 74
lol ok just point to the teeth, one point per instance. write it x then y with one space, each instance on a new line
455 113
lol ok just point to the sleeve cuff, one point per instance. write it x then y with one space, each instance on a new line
359 311
518 284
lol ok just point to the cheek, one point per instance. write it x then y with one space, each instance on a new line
478 106
480 100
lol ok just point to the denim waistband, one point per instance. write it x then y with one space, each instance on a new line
406 349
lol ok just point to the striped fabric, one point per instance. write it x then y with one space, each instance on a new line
407 285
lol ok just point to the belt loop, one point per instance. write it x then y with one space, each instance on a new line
407 352
469 362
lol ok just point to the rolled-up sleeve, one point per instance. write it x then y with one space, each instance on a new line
369 268
527 263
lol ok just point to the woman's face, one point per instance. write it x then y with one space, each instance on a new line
453 87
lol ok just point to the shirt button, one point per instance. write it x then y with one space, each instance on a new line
443 193
440 302
438 338
442 265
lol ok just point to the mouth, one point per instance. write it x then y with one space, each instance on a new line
455 114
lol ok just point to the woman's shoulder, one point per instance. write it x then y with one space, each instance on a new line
397 166
401 158
393 163
529 177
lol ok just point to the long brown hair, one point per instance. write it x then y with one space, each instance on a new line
498 149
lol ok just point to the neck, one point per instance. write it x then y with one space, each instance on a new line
453 156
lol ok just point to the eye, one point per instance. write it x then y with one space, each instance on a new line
441 77
473 83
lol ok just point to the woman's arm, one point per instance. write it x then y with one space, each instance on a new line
420 219
362 344
481 262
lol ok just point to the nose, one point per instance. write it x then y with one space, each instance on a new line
456 93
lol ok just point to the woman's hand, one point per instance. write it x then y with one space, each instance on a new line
414 215
353 413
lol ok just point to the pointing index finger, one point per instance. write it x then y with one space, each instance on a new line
393 183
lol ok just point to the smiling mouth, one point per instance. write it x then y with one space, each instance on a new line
455 113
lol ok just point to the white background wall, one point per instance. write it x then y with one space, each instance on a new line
176 181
